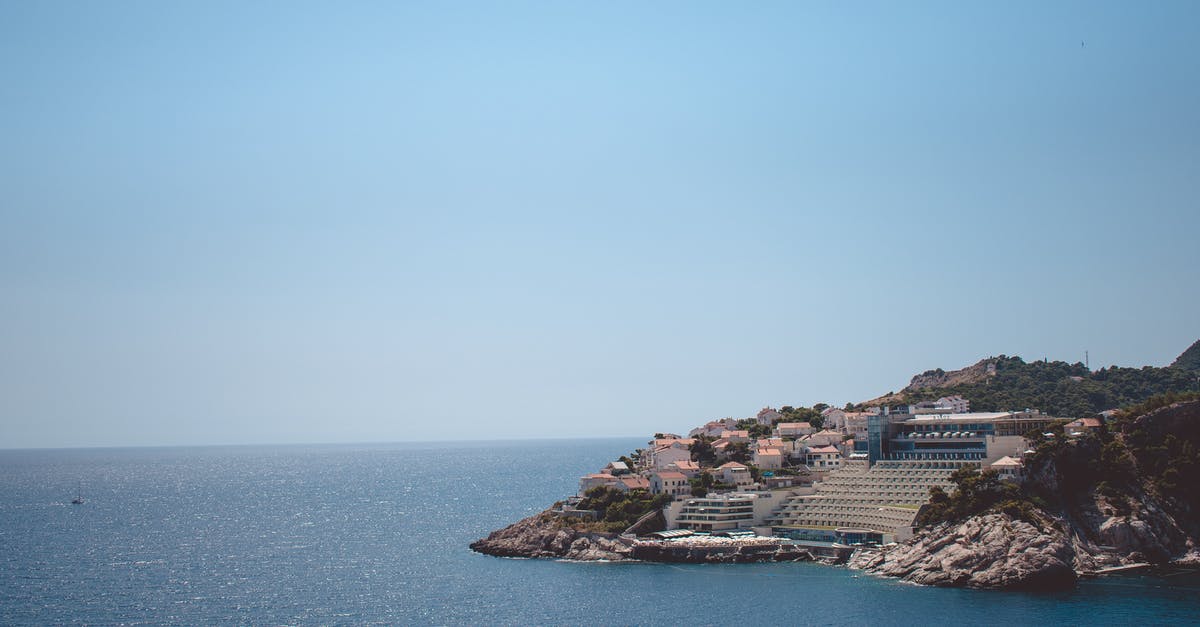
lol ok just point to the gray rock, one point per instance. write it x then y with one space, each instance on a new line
992 551
546 535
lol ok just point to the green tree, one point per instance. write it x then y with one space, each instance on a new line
738 452
702 451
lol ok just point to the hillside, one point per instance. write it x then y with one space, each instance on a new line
1189 360
1010 383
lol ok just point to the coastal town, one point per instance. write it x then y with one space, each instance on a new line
844 478
1084 476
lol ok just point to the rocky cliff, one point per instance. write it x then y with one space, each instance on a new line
992 551
996 550
548 535
1095 502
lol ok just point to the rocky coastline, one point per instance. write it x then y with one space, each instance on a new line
992 551
997 551
546 534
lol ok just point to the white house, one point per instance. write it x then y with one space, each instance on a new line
1008 468
670 482
793 429
768 458
735 474
954 404
617 468
587 482
713 428
823 457
740 435
767 416
664 456
855 424
824 438
1076 428
632 482
689 468
834 418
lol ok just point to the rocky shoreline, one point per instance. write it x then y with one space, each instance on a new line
998 551
992 551
546 535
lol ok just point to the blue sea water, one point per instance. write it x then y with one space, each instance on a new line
378 534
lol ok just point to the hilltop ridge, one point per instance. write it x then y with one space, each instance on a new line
1189 359
938 378
1058 388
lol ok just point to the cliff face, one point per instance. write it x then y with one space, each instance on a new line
1106 502
998 551
544 535
992 551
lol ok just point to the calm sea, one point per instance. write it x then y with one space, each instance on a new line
378 534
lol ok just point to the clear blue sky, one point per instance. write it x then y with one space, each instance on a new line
293 222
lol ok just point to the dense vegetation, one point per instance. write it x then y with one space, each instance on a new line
702 451
975 493
811 415
1063 389
622 509
753 428
1166 451
1189 360
1159 453
1061 469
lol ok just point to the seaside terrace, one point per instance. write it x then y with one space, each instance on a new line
883 498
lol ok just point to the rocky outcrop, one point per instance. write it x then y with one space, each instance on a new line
942 379
992 551
548 535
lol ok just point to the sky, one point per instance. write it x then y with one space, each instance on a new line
285 222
